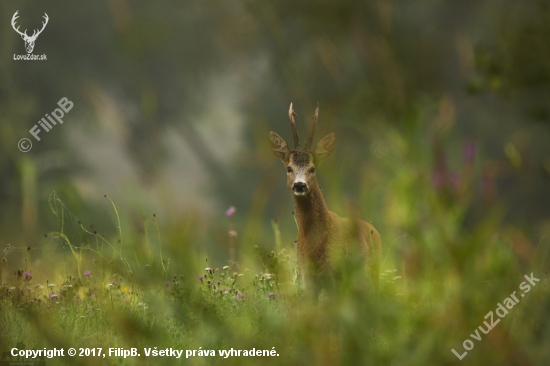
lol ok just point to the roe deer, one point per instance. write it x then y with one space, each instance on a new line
324 239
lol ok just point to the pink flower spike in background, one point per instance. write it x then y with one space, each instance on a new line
469 152
87 273
230 211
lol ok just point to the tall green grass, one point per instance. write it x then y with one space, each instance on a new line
160 285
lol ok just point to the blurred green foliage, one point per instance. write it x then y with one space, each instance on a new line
161 288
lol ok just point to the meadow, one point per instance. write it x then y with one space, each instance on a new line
158 284
156 220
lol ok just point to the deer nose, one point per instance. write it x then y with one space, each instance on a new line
299 187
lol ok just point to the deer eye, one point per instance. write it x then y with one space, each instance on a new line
289 169
312 170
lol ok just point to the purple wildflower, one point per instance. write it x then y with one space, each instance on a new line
239 297
439 179
201 277
443 180
271 295
87 273
469 151
230 211
28 276
455 180
53 295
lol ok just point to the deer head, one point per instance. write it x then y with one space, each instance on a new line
29 40
301 164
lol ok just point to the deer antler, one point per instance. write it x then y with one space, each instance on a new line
291 115
310 137
35 33
13 20
46 18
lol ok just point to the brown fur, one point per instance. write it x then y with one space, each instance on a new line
324 239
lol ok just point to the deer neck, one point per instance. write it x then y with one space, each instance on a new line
313 224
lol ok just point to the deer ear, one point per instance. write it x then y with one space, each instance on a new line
324 148
279 148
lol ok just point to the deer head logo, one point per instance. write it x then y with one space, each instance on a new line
29 40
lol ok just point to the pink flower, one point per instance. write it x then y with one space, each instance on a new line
469 152
230 211
87 273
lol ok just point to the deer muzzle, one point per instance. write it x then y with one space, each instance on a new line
299 188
